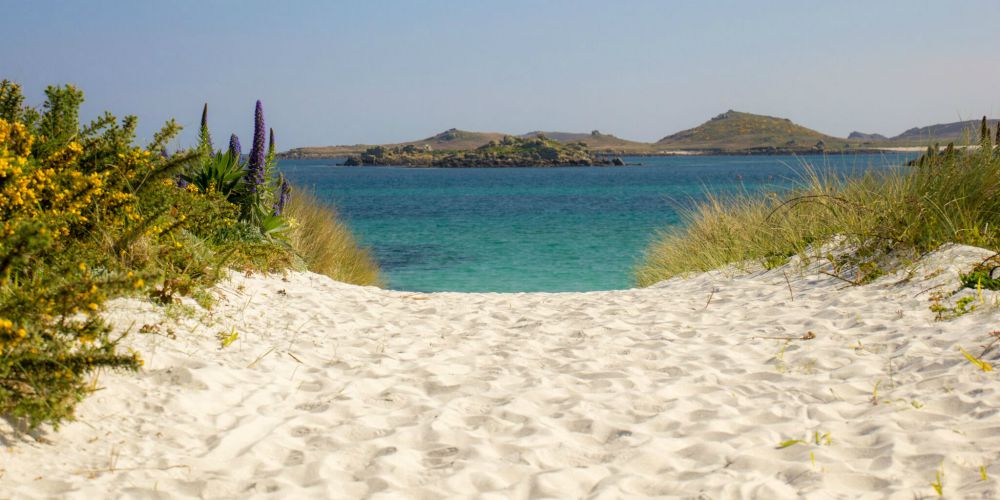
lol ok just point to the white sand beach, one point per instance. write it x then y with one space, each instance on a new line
685 389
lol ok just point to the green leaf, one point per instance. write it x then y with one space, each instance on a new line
983 365
273 226
790 442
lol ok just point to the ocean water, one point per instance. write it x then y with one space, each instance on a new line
537 229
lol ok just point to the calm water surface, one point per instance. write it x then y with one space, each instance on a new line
536 229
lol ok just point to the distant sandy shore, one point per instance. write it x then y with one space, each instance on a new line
712 386
920 149
906 149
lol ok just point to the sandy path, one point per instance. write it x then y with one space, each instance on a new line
336 391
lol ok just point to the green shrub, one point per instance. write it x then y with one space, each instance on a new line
52 282
983 275
253 186
85 216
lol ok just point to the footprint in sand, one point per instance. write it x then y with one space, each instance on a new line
295 457
313 406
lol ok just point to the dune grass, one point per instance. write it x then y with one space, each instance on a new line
881 217
326 244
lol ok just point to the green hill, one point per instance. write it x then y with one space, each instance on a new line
595 141
455 140
738 132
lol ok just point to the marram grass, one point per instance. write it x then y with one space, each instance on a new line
326 244
881 216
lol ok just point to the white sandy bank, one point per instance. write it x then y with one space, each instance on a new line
337 391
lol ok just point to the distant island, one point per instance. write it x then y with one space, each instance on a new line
734 132
729 133
507 151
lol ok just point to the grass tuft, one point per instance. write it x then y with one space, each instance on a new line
881 217
326 244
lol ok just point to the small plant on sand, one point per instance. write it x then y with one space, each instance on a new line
979 363
985 275
226 339
995 335
791 442
822 439
819 439
942 311
938 483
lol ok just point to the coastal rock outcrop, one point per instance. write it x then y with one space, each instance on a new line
508 152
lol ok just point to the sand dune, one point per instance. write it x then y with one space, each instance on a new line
685 389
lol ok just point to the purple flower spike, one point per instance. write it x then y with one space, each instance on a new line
270 142
255 165
234 147
284 192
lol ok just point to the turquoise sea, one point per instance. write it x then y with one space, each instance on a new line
536 229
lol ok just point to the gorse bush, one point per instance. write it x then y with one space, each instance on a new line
51 282
87 216
879 217
50 333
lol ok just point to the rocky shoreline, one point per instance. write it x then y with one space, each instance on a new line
462 161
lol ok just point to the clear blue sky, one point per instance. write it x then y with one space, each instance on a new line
384 71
